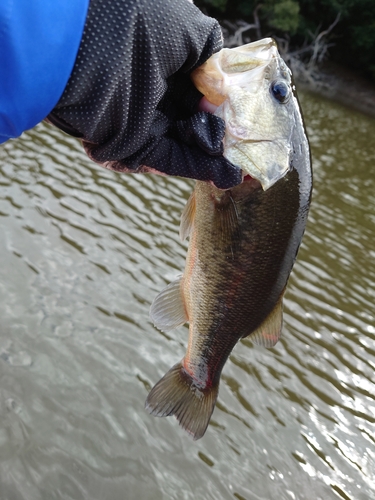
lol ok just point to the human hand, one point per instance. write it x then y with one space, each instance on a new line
130 98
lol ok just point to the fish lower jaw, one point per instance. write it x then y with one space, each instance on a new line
251 182
248 178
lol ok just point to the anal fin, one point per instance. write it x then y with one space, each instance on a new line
168 308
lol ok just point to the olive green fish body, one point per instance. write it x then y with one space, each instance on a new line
243 241
243 246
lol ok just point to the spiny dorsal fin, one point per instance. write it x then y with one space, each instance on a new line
177 394
187 217
269 332
168 308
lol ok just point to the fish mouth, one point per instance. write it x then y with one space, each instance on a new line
232 66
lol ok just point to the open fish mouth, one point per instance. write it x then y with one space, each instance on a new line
251 85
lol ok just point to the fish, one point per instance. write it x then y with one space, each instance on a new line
243 241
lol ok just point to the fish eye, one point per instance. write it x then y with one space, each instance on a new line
280 91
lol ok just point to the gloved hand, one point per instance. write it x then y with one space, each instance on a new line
130 98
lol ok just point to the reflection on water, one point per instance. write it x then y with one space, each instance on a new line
84 251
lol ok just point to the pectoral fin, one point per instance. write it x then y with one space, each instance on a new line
269 332
187 218
226 228
168 309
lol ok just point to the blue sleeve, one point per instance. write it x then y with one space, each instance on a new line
39 41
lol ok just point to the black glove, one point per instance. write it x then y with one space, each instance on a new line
130 98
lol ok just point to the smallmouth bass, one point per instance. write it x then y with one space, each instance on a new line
243 241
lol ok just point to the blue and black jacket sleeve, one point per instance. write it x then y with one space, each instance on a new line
129 97
39 41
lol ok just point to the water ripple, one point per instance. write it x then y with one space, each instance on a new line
84 251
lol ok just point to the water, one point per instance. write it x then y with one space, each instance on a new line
83 253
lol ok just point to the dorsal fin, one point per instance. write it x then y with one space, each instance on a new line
168 308
269 332
187 217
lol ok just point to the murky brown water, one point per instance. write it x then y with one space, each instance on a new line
83 253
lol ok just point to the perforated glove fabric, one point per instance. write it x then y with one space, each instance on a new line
130 98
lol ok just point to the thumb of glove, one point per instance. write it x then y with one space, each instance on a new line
204 130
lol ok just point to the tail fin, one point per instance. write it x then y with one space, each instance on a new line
177 394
